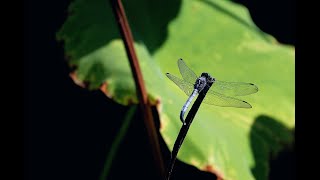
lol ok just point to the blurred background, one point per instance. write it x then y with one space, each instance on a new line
68 130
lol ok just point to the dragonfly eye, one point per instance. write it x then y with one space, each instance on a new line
212 79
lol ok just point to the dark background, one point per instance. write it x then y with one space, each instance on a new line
68 130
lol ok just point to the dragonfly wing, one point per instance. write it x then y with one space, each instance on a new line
233 88
185 86
186 73
218 99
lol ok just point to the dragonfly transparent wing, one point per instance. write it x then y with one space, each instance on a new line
185 86
233 88
212 98
186 73
218 99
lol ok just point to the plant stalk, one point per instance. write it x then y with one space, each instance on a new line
185 127
140 87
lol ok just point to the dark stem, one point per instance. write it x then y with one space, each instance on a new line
184 129
140 87
117 141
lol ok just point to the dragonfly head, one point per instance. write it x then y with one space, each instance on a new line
208 77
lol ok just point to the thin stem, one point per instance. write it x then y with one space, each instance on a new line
185 127
141 91
116 143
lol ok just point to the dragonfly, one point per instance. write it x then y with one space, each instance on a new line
221 93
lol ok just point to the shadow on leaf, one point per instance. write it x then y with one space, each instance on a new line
268 137
92 25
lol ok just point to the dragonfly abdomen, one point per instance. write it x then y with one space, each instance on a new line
186 105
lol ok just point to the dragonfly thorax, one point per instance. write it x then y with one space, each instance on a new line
201 82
